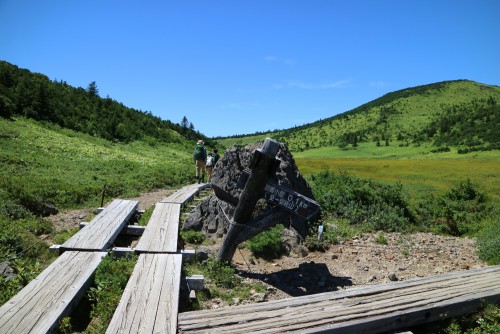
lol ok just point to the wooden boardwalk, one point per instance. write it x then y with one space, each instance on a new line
103 229
151 298
370 309
161 233
39 306
185 194
150 301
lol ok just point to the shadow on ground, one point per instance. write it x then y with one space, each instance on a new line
308 278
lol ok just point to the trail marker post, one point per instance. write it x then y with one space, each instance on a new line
257 185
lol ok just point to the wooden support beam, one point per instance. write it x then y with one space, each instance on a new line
130 230
195 282
54 248
262 164
120 252
188 255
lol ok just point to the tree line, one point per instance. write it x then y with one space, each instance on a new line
34 95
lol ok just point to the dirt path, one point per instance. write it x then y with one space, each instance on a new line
72 218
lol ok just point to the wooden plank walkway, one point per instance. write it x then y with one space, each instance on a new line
150 300
103 229
185 194
161 233
39 306
370 309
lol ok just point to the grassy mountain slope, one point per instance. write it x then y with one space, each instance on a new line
44 163
462 114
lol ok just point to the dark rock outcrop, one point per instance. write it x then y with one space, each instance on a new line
212 215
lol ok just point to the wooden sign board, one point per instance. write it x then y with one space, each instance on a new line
285 198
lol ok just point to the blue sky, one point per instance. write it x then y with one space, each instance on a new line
236 67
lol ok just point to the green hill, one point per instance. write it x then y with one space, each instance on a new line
33 95
62 146
460 114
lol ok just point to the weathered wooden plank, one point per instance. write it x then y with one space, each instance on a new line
349 293
150 301
161 233
185 194
344 308
387 307
39 306
104 228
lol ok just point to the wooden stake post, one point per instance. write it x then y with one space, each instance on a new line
262 166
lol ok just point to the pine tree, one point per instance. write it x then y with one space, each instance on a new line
92 89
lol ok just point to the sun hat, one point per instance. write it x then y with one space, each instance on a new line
200 142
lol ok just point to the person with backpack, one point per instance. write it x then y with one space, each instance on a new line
210 165
216 157
200 158
211 161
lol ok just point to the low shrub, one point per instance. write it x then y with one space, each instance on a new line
484 322
220 273
381 239
457 212
22 237
111 277
25 270
193 237
488 241
366 203
267 244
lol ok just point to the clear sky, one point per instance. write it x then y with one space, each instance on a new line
236 67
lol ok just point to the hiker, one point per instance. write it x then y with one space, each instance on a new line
210 165
211 161
200 157
216 157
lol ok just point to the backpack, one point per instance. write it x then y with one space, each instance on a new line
210 160
215 158
199 153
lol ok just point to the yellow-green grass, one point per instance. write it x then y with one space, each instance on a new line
394 151
418 176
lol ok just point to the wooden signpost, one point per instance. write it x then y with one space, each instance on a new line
286 198
257 185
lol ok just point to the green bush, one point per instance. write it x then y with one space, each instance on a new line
486 321
267 244
381 239
21 237
488 241
366 203
193 237
220 273
313 244
25 270
63 235
457 212
111 277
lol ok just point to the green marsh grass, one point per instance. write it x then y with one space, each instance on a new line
418 176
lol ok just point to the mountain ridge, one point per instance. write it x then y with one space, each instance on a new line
435 114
